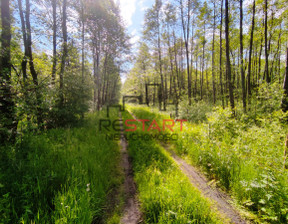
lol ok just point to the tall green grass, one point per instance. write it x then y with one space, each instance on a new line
244 156
165 194
60 176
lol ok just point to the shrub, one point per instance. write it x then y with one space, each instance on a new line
196 112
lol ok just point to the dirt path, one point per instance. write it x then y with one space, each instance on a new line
200 182
132 214
197 179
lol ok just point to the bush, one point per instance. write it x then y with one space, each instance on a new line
245 156
77 95
61 176
196 112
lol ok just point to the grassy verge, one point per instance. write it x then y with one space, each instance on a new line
61 176
243 157
165 194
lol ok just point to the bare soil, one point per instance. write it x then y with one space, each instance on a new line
220 199
132 214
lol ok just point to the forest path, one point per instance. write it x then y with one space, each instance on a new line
219 198
132 214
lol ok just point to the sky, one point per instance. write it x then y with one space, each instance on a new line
132 12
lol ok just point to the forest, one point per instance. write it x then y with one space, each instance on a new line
187 125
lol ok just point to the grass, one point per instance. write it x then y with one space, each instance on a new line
73 175
60 176
244 156
165 193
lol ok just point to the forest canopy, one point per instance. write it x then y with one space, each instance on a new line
218 51
58 60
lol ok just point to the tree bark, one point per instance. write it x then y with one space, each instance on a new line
186 34
241 58
54 7
213 55
83 41
268 79
32 67
228 65
64 52
284 104
163 94
24 35
220 58
196 73
203 61
7 106
250 54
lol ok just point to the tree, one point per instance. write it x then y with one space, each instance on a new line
213 52
267 75
28 56
185 21
228 65
8 120
241 58
152 34
64 51
54 7
284 104
24 35
204 18
108 43
250 53
220 57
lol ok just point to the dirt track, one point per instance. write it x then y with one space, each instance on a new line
220 199
200 182
132 214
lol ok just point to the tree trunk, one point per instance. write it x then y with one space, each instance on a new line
176 63
207 80
228 65
32 68
241 58
259 59
8 121
54 7
172 77
83 41
266 44
162 91
203 62
64 52
24 35
186 34
220 58
250 54
192 52
94 75
284 104
276 53
213 55
196 73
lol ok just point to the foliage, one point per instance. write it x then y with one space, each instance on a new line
77 94
60 176
196 112
165 194
244 157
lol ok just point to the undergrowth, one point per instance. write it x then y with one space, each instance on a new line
243 154
165 194
60 176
